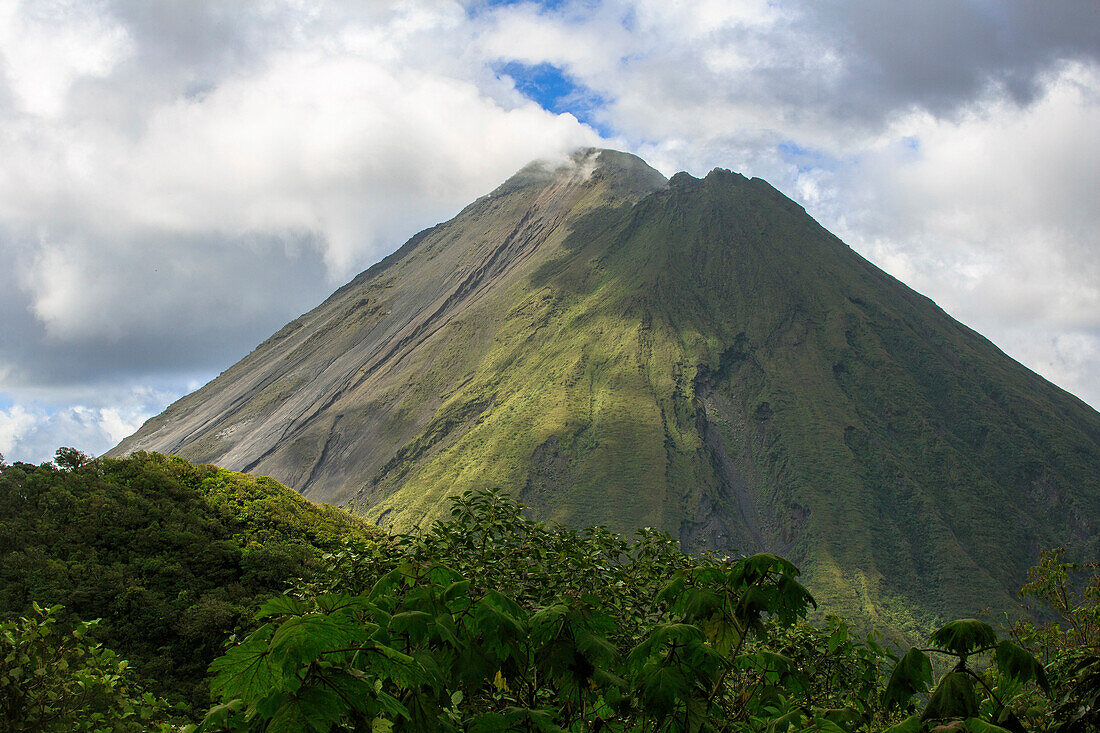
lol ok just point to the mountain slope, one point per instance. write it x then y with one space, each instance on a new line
699 356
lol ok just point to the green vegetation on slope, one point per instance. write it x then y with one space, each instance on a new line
55 678
491 622
171 556
488 621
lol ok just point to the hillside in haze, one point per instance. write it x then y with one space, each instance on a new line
697 355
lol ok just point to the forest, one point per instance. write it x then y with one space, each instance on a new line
148 593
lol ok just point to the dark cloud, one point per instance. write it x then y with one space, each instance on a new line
941 54
157 304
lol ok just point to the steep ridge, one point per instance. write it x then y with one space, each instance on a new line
700 357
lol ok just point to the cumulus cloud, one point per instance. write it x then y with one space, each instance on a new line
181 179
48 46
236 190
33 432
993 213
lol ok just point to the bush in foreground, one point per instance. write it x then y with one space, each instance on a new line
492 622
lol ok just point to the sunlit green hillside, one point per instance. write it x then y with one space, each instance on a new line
172 556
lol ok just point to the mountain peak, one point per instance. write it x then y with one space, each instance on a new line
627 175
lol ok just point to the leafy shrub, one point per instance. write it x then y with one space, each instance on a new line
492 622
1070 645
56 680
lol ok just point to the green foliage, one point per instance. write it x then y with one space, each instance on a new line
173 557
912 675
53 679
487 621
1069 646
965 698
492 622
964 636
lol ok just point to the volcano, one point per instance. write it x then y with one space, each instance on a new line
694 355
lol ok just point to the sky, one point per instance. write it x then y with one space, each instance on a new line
180 179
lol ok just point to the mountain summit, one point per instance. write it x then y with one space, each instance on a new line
696 355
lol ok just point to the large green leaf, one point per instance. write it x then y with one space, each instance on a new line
838 636
761 564
526 719
787 721
312 710
281 606
457 596
912 724
768 663
545 620
698 603
301 639
502 603
385 585
246 671
660 687
386 662
952 699
334 602
1018 664
413 624
964 636
355 687
443 576
977 725
499 623
217 718
823 725
911 676
846 716
672 589
792 599
659 636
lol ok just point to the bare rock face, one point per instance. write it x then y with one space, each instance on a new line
696 355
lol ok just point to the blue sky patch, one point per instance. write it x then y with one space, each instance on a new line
544 4
478 7
555 91
806 159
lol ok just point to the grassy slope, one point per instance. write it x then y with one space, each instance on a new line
901 458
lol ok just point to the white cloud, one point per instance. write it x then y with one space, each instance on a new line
98 421
333 147
45 47
15 422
